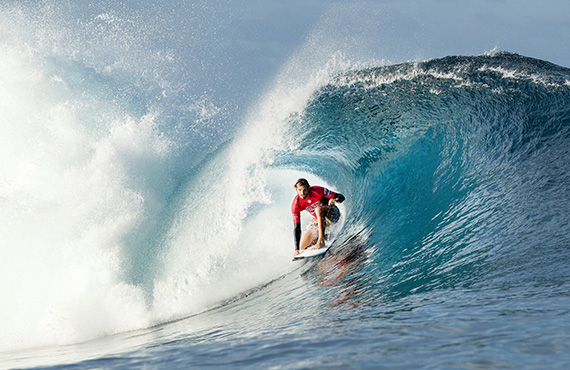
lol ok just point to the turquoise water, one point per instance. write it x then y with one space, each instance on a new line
146 224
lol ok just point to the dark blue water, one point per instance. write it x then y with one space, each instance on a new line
146 224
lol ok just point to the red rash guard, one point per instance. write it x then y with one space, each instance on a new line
309 204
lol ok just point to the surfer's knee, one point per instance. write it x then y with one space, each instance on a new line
321 211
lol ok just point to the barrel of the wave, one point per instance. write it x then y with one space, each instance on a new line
456 161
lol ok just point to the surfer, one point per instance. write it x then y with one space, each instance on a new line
320 203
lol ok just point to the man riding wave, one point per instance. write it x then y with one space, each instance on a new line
320 203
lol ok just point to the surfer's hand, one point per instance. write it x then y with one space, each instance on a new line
332 202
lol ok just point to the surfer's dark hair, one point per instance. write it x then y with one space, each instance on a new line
302 182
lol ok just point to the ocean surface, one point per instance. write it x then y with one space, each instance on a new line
145 209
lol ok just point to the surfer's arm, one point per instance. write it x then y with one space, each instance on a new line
297 231
338 198
296 212
332 196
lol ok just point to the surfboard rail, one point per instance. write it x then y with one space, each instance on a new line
309 253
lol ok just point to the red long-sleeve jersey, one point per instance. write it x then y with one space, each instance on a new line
316 198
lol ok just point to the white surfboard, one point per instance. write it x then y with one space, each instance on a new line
309 253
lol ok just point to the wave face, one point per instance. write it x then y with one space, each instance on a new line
455 172
456 169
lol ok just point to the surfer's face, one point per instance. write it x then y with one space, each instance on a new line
302 191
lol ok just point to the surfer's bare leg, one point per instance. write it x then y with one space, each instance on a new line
307 239
321 214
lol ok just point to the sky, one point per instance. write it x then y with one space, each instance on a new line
438 28
397 31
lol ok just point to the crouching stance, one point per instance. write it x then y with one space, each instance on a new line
320 203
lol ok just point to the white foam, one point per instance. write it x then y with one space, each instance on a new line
235 229
519 75
79 175
69 195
